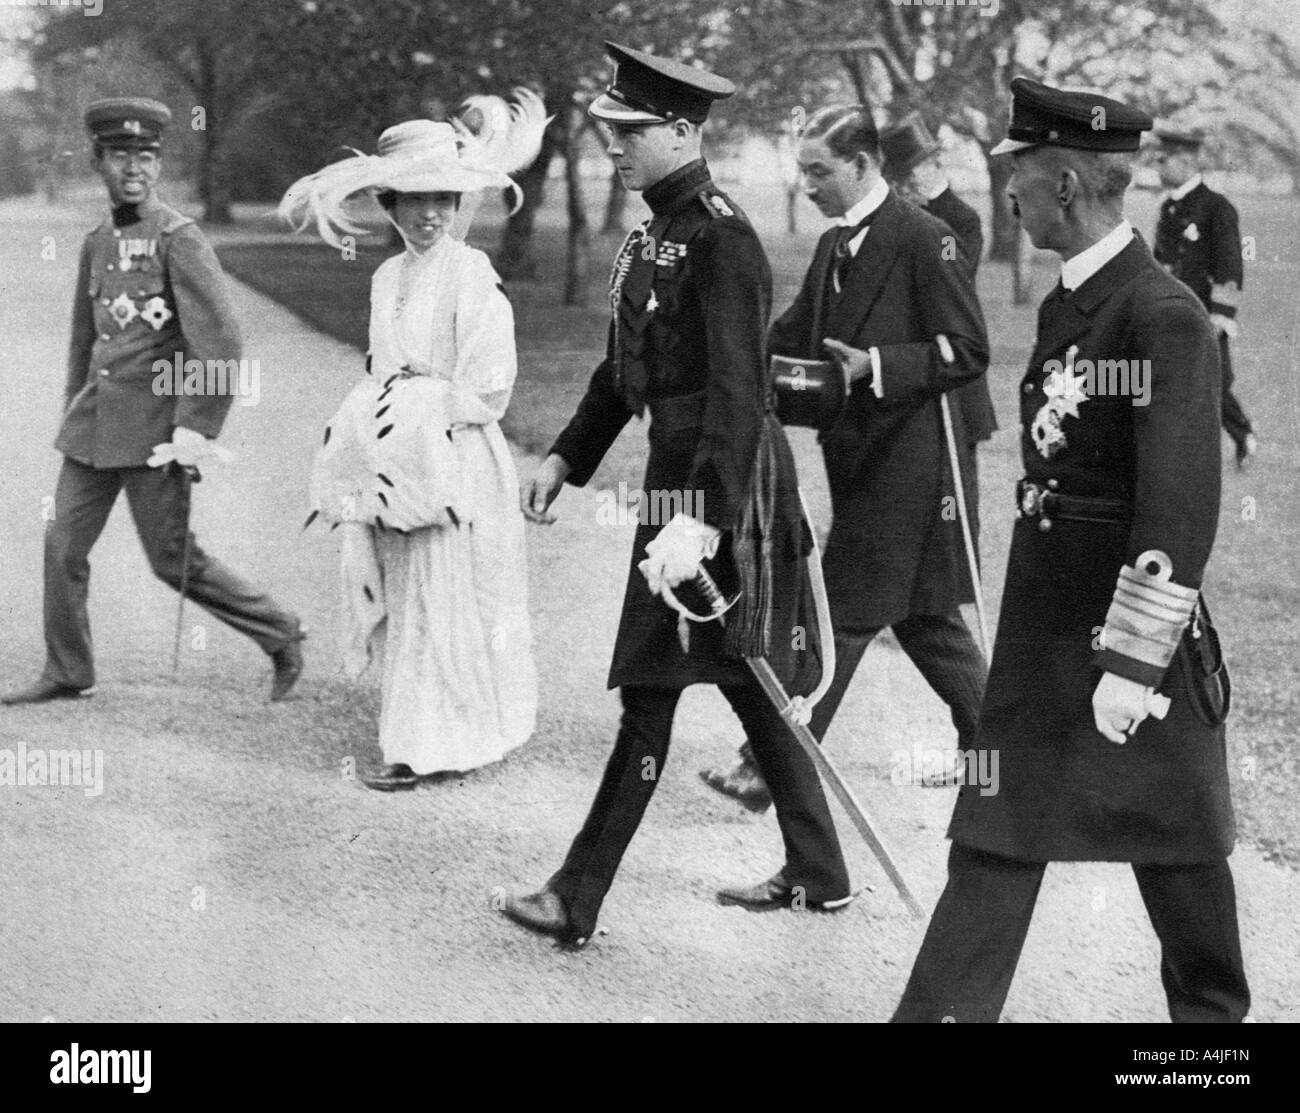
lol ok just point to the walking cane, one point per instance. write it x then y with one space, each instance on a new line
946 353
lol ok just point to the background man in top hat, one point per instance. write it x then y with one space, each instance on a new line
1199 240
149 287
690 296
912 167
1119 507
878 294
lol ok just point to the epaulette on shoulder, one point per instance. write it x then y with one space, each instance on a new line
716 205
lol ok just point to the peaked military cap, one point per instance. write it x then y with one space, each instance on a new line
128 122
905 144
1181 140
1041 115
648 89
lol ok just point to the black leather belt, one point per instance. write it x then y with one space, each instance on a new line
1046 504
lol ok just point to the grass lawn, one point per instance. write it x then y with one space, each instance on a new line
1253 581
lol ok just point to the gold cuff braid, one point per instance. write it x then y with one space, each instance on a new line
1148 612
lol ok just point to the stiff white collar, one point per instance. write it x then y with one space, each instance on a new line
1075 272
869 204
1186 188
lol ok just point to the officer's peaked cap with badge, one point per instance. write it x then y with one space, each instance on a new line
1075 118
135 122
906 144
648 89
1174 139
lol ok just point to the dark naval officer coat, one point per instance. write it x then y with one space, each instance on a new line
691 296
892 552
145 292
1066 792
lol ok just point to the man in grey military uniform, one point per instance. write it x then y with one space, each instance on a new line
149 288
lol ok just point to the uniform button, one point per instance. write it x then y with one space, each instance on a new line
1045 524
117 232
103 372
1029 388
112 266
105 336
103 301
1053 485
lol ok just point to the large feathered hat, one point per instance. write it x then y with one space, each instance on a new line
477 150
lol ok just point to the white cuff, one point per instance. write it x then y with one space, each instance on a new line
877 379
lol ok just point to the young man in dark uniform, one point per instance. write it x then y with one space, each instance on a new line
878 295
149 288
1118 511
1198 239
690 297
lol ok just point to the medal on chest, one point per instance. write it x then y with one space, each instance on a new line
1065 394
132 254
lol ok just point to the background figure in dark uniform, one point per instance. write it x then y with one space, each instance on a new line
880 289
148 288
1198 239
1119 507
912 167
690 297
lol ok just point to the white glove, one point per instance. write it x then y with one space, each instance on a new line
1225 326
675 554
1119 705
188 449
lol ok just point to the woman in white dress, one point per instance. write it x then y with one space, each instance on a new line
414 466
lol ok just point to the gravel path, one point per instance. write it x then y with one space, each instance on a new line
232 869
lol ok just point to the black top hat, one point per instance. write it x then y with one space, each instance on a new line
1041 115
651 90
135 122
809 392
905 144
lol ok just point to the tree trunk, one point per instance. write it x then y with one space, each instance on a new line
1021 287
214 189
616 205
515 257
1006 229
578 261
853 64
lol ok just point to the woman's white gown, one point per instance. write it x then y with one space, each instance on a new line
450 599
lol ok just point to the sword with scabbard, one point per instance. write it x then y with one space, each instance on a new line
191 475
795 711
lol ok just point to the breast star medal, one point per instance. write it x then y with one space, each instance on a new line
155 313
1065 394
123 311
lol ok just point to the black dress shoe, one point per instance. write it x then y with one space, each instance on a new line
287 663
391 778
544 913
43 691
743 783
775 893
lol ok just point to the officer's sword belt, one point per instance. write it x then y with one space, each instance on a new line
1046 504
